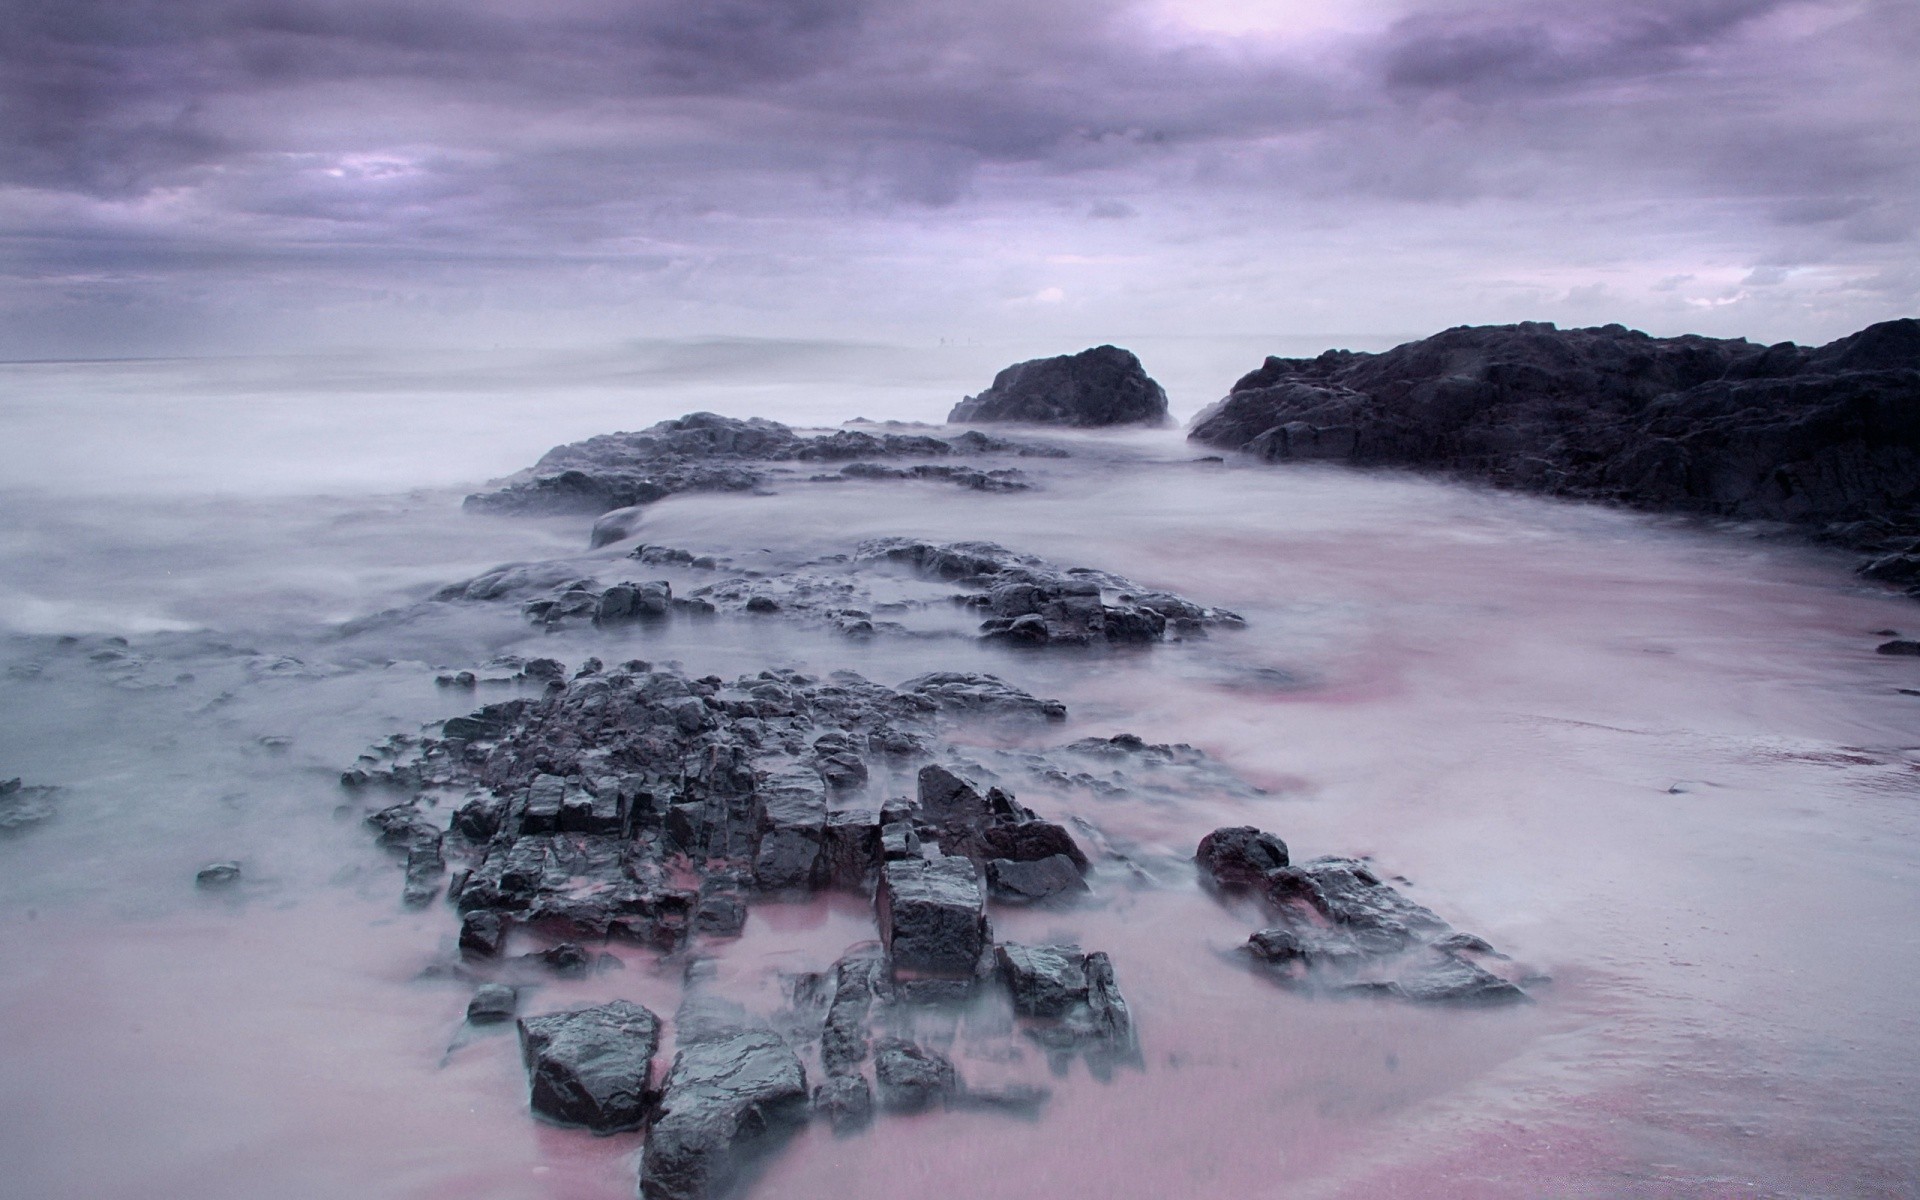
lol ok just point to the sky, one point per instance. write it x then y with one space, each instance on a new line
250 176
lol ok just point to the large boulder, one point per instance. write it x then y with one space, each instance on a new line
1102 386
728 1097
933 915
591 1066
1827 438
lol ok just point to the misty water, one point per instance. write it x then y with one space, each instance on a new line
1658 764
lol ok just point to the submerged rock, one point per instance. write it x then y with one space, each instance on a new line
702 452
217 875
1099 387
911 1078
493 1003
22 806
1340 927
591 1066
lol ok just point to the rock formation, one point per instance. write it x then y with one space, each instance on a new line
1825 438
1102 386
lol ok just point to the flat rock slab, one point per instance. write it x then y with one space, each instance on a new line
591 1066
725 1099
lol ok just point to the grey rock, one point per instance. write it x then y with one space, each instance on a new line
726 1100
932 915
591 1066
1044 981
1032 882
482 934
846 1101
492 1003
1099 387
217 875
911 1078
1240 856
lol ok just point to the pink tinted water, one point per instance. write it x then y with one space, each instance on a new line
1661 766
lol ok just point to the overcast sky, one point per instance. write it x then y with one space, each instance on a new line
183 176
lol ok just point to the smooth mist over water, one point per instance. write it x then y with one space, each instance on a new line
1660 765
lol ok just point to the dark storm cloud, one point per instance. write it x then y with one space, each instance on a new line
149 135
1498 52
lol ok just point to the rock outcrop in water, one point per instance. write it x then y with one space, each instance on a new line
1024 600
1338 927
703 452
641 805
1099 387
1825 438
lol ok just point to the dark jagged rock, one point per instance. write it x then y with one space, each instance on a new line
579 804
22 806
1827 439
492 1003
567 958
1026 858
1021 598
1033 602
1045 981
483 934
1073 1002
933 915
727 1098
846 1101
700 452
1102 386
1342 928
1033 882
971 694
591 1066
912 1078
1240 857
1004 480
858 979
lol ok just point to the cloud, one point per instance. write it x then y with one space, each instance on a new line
735 155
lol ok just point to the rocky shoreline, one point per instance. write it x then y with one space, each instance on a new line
1825 440
634 806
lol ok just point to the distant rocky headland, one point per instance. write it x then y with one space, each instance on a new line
1825 439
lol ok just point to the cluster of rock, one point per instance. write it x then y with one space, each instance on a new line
1338 927
739 1085
1024 600
1099 387
1826 438
641 805
703 452
1034 602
